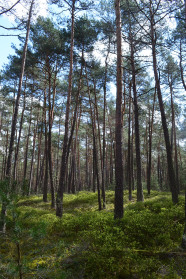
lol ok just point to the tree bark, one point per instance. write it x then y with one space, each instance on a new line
64 159
19 136
137 132
150 147
129 148
118 206
45 184
181 67
50 124
173 135
40 134
26 149
14 120
171 173
32 160
94 134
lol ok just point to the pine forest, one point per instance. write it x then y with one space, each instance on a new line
93 139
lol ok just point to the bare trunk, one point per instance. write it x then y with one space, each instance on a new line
45 184
137 132
181 67
104 130
94 134
50 124
26 148
19 137
118 207
100 148
14 120
32 160
171 173
173 141
150 147
64 159
129 148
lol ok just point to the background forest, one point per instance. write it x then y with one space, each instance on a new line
92 104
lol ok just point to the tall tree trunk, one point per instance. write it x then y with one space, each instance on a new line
118 206
150 146
58 148
181 66
26 148
94 134
171 173
87 164
79 178
19 136
132 151
99 140
32 160
137 132
104 127
14 121
129 147
40 134
64 159
45 184
50 124
173 139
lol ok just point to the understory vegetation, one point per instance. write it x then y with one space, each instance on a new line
87 243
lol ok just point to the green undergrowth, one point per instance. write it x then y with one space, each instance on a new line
87 243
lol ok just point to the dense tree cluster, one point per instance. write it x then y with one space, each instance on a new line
60 129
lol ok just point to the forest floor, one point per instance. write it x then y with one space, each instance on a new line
87 243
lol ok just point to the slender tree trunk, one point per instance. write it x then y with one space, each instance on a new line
64 159
181 67
132 151
6 152
33 155
69 178
19 136
137 132
94 134
79 168
26 148
40 134
118 207
173 139
75 112
100 148
58 148
171 173
94 172
104 128
14 120
76 163
87 164
50 124
150 147
45 184
129 147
